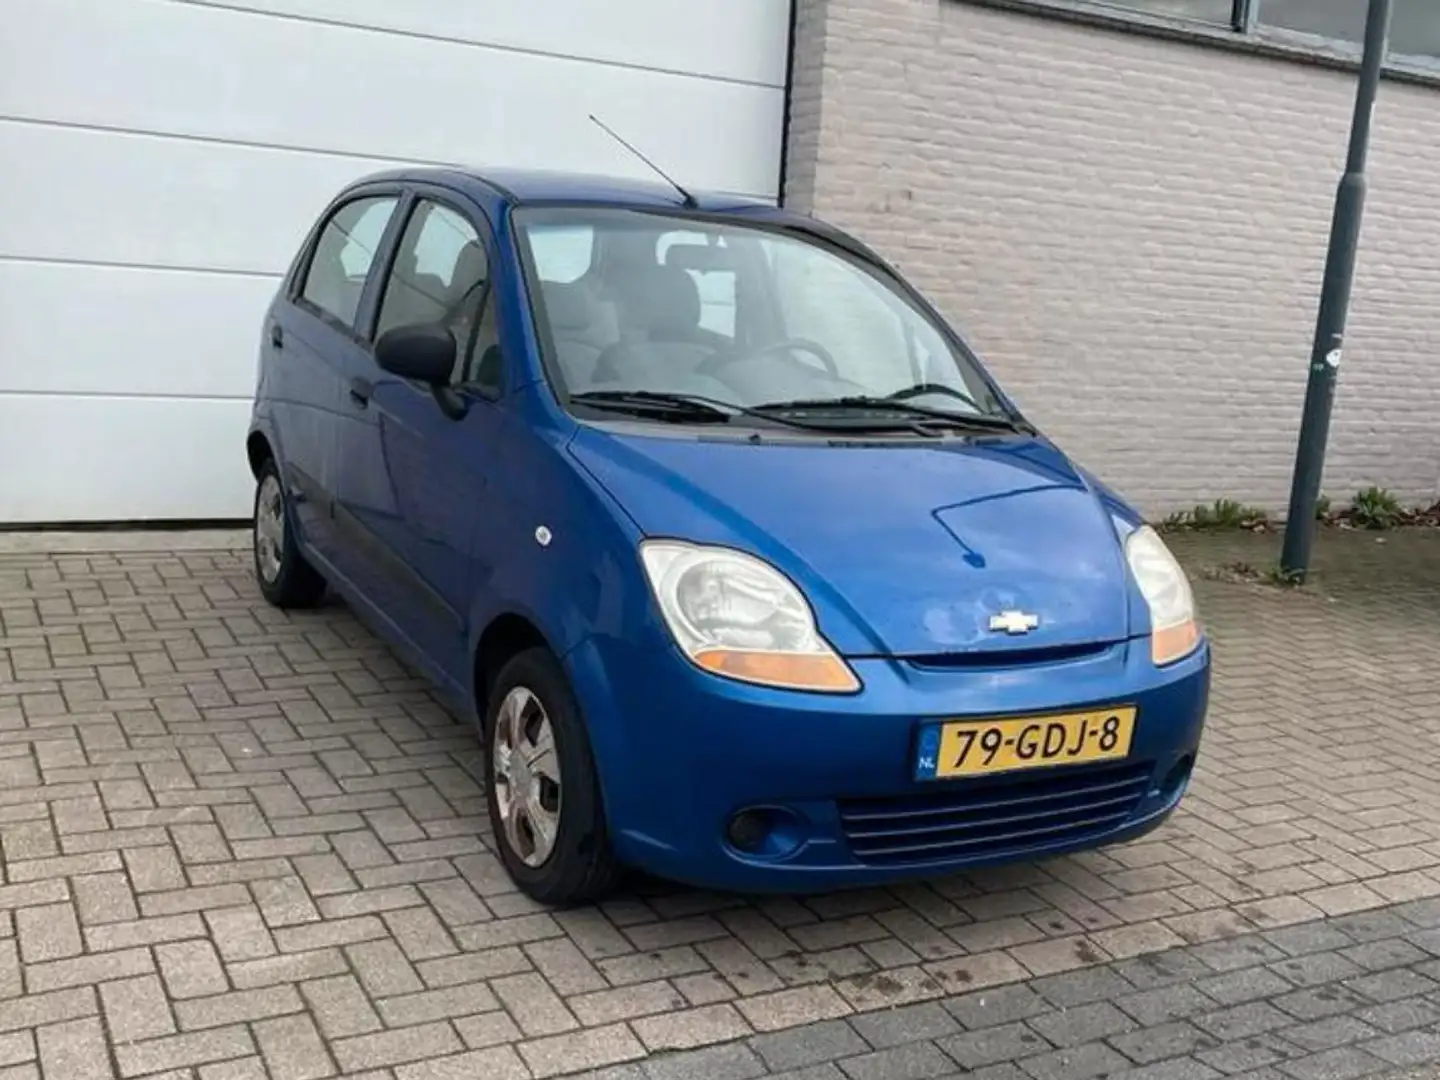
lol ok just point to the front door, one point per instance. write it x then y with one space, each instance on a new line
414 486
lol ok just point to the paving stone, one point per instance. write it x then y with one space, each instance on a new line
1409 1048
690 1028
1242 1021
82 970
1398 1016
1177 1069
1315 969
789 1008
1391 985
911 1061
50 932
1249 1053
191 969
1081 987
499 1063
136 1009
1328 1033
1341 1064
237 1007
1075 1063
1002 1005
1175 1039
715 1063
74 1050
292 1049
1238 987
180 1051
1164 1003
427 1005
909 1023
1009 1042
810 1045
1318 1001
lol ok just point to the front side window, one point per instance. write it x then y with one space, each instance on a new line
745 315
343 257
441 275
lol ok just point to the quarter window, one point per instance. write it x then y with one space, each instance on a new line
343 257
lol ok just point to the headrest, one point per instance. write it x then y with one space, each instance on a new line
567 306
470 266
660 299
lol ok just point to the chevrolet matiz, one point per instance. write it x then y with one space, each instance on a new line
748 571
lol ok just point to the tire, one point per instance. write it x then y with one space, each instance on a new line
286 580
578 864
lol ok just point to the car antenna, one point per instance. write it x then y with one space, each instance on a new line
689 200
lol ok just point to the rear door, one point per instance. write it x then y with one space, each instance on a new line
311 339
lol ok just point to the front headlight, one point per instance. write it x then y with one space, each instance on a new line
737 616
1166 589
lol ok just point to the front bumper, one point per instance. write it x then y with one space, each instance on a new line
680 752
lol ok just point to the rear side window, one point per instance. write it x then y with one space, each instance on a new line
344 254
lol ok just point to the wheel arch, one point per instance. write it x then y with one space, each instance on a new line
506 635
257 451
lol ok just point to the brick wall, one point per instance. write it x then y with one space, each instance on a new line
1132 233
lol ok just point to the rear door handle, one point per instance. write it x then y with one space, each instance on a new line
360 391
277 336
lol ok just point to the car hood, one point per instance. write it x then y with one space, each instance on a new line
904 549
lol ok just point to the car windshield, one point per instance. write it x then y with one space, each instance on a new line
630 301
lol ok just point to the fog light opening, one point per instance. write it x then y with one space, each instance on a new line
770 832
1177 777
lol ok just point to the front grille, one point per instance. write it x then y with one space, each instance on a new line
995 817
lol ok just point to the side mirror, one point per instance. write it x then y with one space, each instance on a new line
424 352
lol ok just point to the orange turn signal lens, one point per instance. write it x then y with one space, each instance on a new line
1174 642
792 671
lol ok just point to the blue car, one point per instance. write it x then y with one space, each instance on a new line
750 574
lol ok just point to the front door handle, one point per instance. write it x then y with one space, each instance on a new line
277 336
360 391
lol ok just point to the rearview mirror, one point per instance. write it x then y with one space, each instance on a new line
424 352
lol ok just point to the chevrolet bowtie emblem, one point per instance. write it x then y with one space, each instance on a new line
1014 622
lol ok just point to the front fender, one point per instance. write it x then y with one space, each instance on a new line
584 578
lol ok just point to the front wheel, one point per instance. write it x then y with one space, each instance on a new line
543 792
286 579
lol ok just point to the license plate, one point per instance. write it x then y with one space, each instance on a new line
986 747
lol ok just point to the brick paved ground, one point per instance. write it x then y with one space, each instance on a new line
238 843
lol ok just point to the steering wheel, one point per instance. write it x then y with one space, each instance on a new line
713 364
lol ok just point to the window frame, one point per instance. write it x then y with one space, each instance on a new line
369 315
300 276
1246 32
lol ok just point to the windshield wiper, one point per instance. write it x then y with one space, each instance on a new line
907 409
678 406
921 389
683 407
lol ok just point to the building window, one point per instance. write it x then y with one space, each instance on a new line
1414 24
1328 25
1220 12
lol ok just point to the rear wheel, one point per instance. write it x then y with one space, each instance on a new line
286 579
543 792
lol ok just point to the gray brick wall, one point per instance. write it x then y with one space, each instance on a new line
1132 233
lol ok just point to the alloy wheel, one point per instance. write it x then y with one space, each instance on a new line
526 775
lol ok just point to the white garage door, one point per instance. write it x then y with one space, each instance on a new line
160 160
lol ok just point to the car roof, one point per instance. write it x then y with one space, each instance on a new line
538 187
523 187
